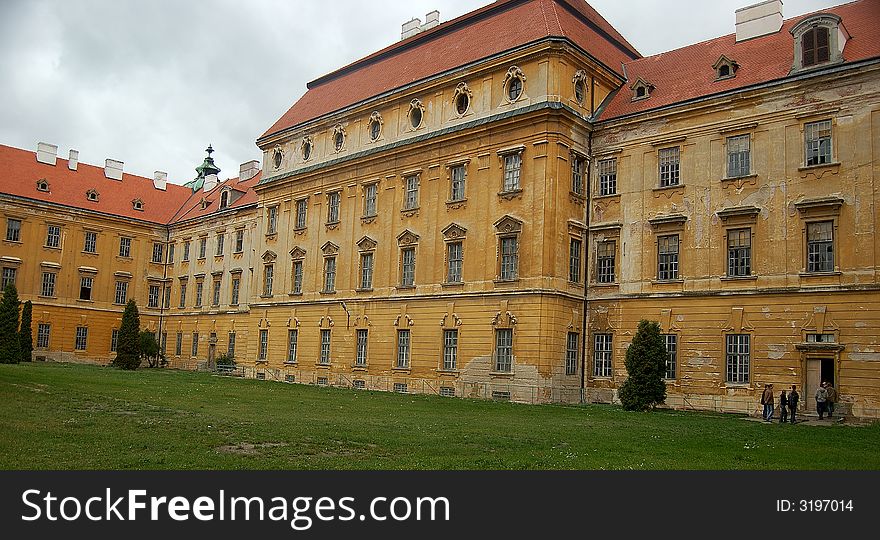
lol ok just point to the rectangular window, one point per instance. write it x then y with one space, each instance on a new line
571 353
163 342
606 252
230 345
236 289
667 257
509 257
167 303
411 200
170 253
13 230
195 344
361 356
292 337
53 236
739 252
302 208
47 287
450 350
178 344
272 220
358 384
671 342
447 391
574 261
817 138
239 240
400 388
821 338
124 246
186 250
85 288
459 176
263 353
366 271
512 166
43 330
325 347
602 355
738 352
114 339
82 338
739 156
200 286
158 252
9 275
153 296
820 246
329 274
203 247
221 244
607 177
370 192
454 262
333 207
268 278
670 166
183 293
90 242
408 266
215 296
402 349
297 277
578 168
504 350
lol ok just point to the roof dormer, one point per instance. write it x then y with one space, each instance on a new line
725 68
818 40
641 89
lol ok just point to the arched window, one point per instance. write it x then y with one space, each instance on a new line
814 46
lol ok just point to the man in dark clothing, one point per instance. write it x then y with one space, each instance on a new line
832 398
793 398
783 404
767 402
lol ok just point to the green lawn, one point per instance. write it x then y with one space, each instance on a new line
65 416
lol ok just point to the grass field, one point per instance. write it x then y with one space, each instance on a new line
65 416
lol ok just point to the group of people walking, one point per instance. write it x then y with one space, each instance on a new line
826 397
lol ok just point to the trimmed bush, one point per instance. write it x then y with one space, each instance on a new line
645 366
10 342
128 346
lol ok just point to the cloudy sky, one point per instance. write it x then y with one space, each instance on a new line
152 83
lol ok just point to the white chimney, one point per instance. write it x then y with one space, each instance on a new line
431 20
160 180
211 182
47 153
758 20
113 169
410 28
73 160
248 170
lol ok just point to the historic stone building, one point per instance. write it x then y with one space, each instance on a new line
439 216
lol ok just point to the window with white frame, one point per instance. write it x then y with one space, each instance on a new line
85 287
606 253
329 274
450 350
43 331
738 355
125 246
739 252
90 242
820 246
333 207
47 286
408 267
602 355
574 260
297 277
607 177
667 257
739 156
670 166
671 343
403 337
571 353
158 252
817 142
302 209
411 195
366 271
370 194
360 359
509 257
13 230
82 338
504 350
578 169
454 262
457 187
53 236
268 279
153 296
272 220
292 338
512 170
325 347
9 275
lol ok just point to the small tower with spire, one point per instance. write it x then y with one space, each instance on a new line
207 171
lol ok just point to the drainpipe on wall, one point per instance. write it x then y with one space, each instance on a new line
586 262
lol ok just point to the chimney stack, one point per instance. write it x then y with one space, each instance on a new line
113 169
248 170
73 160
758 20
160 180
415 26
431 20
47 153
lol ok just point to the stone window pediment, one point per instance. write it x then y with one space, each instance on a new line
366 244
329 249
269 256
407 238
454 231
508 225
297 253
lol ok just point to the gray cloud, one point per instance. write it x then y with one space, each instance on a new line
152 83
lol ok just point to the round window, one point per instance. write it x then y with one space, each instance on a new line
375 130
307 150
339 140
580 90
415 117
462 102
276 158
514 89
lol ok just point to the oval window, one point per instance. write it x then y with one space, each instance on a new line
415 117
276 158
462 102
339 140
580 91
514 88
307 150
375 130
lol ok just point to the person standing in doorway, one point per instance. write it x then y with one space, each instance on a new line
821 399
832 398
783 410
793 398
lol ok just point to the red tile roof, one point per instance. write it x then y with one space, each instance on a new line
192 208
498 27
687 73
20 171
